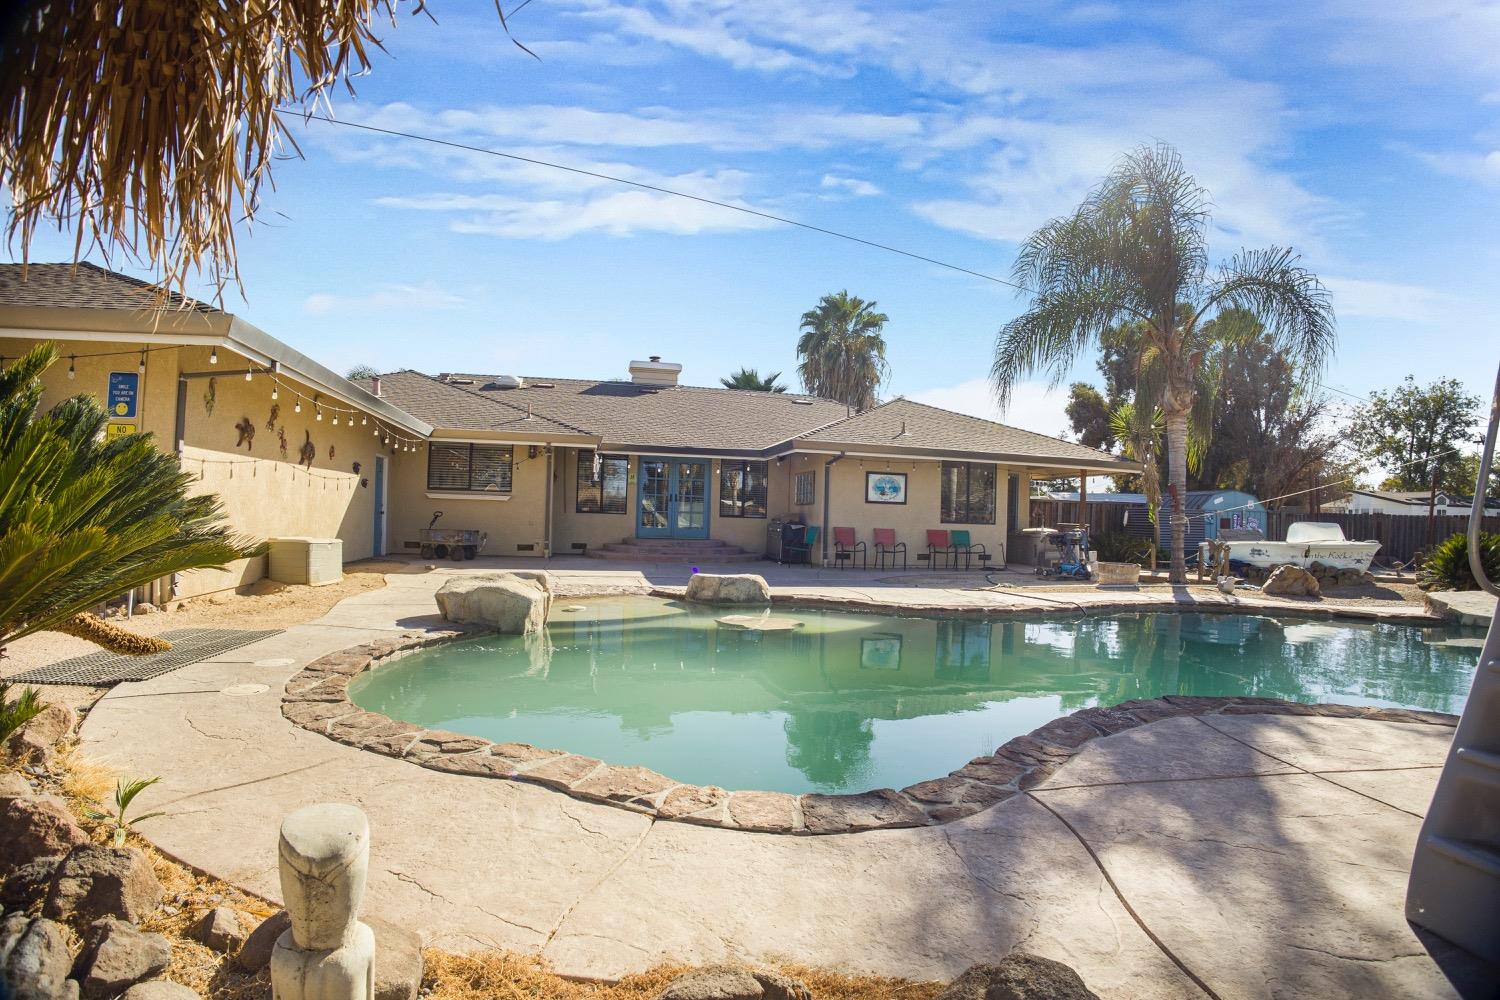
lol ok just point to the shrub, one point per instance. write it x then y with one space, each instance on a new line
16 713
1119 546
1447 566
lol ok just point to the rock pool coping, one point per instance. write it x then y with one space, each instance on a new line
317 699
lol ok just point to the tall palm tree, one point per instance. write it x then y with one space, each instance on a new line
749 378
82 519
842 351
1136 251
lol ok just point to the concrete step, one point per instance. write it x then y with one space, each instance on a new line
630 554
686 550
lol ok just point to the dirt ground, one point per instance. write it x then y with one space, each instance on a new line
262 605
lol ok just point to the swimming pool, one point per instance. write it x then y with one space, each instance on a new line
844 702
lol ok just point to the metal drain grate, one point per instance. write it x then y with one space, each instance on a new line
189 645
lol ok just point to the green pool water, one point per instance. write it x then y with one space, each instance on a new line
847 702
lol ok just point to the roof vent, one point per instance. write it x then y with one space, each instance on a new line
802 402
507 382
654 372
456 380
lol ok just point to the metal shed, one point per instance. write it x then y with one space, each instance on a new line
1209 511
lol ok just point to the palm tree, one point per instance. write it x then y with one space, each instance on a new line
1136 251
82 519
842 351
749 378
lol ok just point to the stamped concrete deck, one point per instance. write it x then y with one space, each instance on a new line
1250 856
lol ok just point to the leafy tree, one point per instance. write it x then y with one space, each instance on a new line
1136 252
842 350
1417 432
361 371
1464 475
1271 436
749 378
82 519
1090 415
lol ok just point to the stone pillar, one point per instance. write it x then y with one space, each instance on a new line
326 954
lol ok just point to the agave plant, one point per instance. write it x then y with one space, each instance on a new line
84 520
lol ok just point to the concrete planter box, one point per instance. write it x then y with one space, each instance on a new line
1117 574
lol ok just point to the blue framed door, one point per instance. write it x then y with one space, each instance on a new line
672 498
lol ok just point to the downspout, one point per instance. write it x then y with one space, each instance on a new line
547 514
827 499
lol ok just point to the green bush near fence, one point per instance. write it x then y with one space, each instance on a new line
1447 566
1119 546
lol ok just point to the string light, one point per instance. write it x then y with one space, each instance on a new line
275 392
320 413
247 375
298 407
213 356
72 372
141 368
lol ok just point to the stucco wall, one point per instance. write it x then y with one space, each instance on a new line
264 493
516 521
848 507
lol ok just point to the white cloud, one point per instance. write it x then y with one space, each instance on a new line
1385 300
1033 406
851 185
427 295
1481 167
622 213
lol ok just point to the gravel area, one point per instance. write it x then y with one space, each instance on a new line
262 605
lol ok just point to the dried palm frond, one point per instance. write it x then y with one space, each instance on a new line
148 126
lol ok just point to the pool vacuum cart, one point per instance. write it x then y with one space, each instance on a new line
1072 544
455 543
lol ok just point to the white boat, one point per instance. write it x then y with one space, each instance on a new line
1306 542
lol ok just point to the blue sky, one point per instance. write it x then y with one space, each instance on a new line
1365 134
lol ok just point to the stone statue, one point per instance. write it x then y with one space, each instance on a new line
326 954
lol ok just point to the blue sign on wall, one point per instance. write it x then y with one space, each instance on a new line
124 390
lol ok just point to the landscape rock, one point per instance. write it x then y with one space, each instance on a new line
95 881
34 960
159 989
733 588
510 602
28 883
775 812
1291 581
117 954
730 982
255 953
14 786
35 741
223 929
878 809
1019 976
36 826
398 961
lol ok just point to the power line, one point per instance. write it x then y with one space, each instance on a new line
667 191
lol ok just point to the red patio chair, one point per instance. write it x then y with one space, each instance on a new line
886 547
939 544
847 547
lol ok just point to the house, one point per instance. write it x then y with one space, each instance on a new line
544 466
1414 503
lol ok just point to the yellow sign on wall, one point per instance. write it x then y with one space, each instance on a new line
113 431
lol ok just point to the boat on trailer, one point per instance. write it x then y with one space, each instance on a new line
1307 542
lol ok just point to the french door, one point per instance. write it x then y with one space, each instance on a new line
672 498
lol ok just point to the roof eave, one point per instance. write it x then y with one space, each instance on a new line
1106 467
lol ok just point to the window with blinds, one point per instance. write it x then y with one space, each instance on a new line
742 488
968 493
803 490
470 468
602 488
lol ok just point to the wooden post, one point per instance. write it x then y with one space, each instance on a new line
1083 498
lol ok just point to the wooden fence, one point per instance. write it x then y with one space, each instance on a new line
1401 536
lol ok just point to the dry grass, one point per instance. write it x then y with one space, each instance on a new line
500 975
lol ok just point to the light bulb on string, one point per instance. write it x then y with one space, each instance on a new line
335 418
141 368
297 408
72 372
213 356
275 392
247 375
362 420
320 413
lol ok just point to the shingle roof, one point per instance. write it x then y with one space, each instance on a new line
628 415
911 426
84 286
451 407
